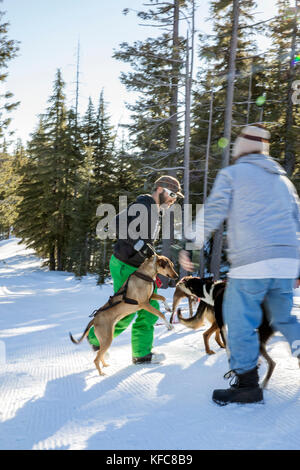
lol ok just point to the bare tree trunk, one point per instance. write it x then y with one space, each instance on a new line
59 254
172 146
249 94
289 157
188 91
174 89
76 108
77 91
217 245
217 253
187 129
201 256
52 258
230 82
103 264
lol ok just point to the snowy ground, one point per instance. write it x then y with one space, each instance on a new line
51 396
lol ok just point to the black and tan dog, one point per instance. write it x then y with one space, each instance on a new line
134 295
182 292
187 287
211 306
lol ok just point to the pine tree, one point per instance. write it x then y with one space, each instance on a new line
96 185
45 213
156 75
281 73
34 210
78 246
105 188
104 144
8 50
10 176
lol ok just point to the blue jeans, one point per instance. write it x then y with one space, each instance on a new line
243 315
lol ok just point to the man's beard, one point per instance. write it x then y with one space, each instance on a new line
162 198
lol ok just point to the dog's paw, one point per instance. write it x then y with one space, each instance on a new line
210 352
170 326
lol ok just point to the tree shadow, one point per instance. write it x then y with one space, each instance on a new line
65 400
158 422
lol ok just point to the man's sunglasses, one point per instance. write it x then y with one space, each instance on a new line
171 193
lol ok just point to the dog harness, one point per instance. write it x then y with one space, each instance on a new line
208 297
123 292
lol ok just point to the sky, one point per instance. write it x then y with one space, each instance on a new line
49 31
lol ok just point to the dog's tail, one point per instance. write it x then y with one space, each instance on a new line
197 320
84 334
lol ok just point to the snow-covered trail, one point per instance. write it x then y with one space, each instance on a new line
51 396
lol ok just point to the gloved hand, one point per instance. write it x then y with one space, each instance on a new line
144 248
148 250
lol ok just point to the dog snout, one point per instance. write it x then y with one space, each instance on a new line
174 275
171 275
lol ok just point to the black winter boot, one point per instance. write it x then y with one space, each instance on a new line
245 389
143 359
93 346
151 358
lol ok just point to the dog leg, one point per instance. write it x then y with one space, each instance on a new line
162 299
176 299
97 363
154 310
271 365
207 335
223 335
105 341
218 339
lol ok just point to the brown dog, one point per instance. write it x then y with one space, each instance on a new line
134 295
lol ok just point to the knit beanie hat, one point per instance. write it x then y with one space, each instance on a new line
169 182
253 139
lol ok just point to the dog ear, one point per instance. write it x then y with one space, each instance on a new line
162 262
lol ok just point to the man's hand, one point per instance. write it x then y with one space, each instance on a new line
144 248
297 283
148 250
185 261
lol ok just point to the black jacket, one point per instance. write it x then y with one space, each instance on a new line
147 223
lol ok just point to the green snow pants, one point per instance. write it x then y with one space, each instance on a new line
142 333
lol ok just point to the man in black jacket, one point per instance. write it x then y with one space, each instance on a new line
142 217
